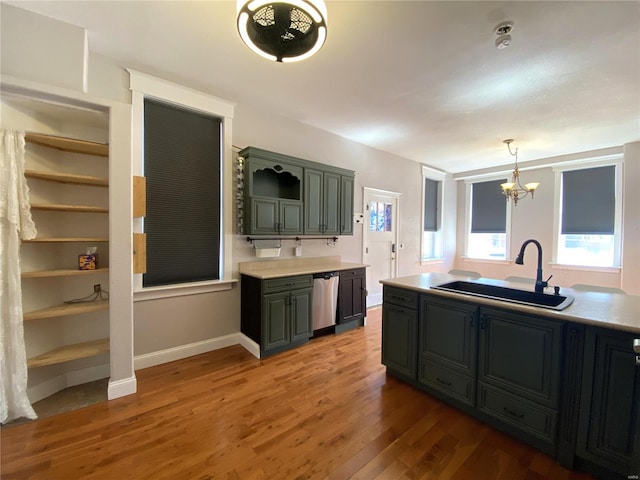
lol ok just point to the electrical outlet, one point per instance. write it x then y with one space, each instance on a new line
96 288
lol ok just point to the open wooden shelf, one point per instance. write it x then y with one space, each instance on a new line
59 207
70 352
67 178
66 309
66 239
69 144
63 272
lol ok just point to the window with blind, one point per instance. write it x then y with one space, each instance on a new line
431 225
182 164
487 237
589 233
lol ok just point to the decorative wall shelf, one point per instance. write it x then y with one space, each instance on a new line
66 239
69 144
70 352
66 272
66 309
67 178
58 207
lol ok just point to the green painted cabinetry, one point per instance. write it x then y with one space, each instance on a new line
447 348
570 390
276 313
609 418
400 332
290 196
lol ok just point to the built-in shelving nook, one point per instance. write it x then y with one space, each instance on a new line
66 309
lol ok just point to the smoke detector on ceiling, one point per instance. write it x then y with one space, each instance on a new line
503 30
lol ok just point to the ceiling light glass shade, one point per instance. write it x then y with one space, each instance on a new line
286 31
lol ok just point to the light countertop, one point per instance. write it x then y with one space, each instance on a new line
608 310
266 269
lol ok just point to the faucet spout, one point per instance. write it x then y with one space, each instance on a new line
540 284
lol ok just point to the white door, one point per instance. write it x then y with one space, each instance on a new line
380 240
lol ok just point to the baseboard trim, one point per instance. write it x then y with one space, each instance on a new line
121 388
249 345
69 379
183 351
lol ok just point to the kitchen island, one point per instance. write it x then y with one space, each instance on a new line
564 381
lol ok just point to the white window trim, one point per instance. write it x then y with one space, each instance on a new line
438 176
616 160
467 220
144 86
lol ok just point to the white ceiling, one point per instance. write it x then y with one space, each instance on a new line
420 79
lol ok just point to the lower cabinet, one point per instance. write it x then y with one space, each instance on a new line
609 418
447 348
352 298
276 313
400 332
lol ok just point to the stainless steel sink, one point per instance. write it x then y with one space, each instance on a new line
513 295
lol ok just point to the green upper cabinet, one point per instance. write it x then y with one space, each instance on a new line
291 196
321 202
346 204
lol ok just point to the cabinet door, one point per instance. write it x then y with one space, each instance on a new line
448 334
313 195
400 340
301 314
263 216
520 354
331 203
610 410
346 205
353 295
290 222
276 327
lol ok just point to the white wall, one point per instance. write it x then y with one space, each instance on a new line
533 218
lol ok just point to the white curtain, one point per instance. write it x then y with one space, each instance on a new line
15 224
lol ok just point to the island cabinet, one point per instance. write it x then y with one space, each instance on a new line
608 437
448 349
400 332
276 313
519 366
286 195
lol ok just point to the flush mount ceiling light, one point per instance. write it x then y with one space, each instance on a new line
513 190
286 31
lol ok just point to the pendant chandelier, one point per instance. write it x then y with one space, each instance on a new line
283 31
514 190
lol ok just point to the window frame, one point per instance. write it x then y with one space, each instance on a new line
438 235
617 162
147 86
468 208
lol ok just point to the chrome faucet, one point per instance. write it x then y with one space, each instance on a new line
540 285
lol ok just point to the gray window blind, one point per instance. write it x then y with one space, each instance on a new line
488 208
589 200
182 153
431 205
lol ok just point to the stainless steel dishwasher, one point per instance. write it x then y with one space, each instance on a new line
325 300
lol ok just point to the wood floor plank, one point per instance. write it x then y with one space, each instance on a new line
326 410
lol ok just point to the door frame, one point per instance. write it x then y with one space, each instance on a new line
367 192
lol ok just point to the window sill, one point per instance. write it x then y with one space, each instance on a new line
180 290
432 261
588 268
500 261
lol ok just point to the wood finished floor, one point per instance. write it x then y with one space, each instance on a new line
323 411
